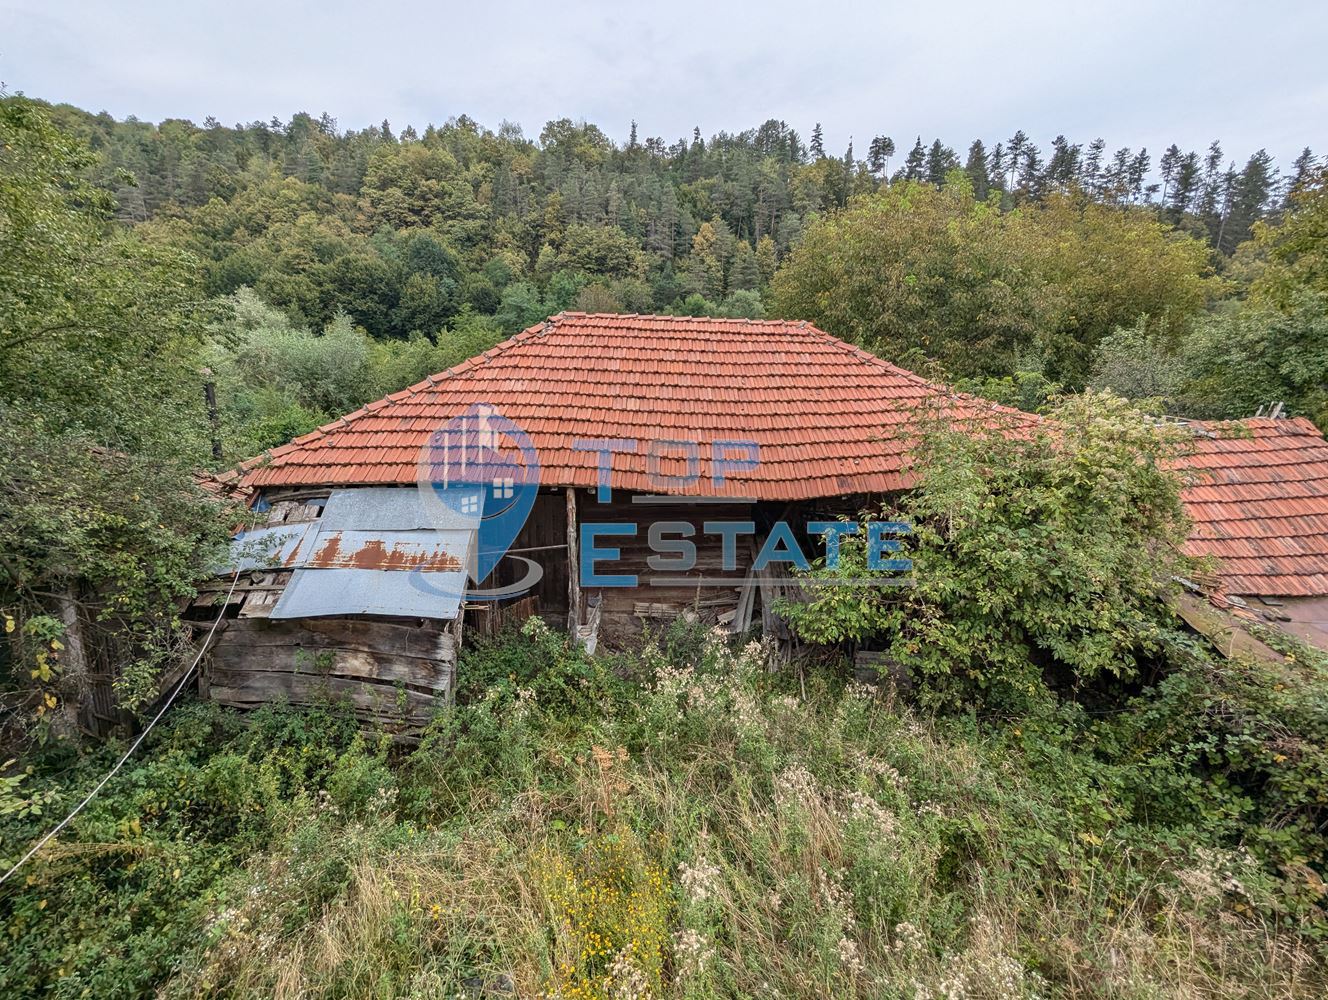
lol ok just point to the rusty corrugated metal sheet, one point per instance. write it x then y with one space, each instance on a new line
316 593
427 551
279 546
398 552
393 508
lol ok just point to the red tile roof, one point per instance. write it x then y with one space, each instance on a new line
1258 496
828 417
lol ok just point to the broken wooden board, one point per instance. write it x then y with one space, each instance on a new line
1223 630
392 671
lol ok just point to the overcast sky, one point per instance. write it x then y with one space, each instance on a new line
1136 73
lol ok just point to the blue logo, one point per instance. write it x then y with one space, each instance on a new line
480 471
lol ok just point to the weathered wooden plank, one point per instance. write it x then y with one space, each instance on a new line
431 675
262 682
574 568
428 642
381 701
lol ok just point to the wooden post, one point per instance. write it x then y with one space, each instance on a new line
73 663
573 567
214 418
457 627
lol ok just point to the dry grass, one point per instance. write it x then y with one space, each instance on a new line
838 848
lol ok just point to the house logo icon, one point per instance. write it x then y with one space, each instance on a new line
480 472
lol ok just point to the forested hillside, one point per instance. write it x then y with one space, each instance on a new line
344 264
403 231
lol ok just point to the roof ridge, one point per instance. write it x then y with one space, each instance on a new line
570 314
833 389
386 402
914 377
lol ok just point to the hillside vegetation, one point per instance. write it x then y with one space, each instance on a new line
687 824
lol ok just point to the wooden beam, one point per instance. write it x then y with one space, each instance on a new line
573 569
1223 630
74 685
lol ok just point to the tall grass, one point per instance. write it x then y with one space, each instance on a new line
705 830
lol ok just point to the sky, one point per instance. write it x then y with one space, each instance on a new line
1135 73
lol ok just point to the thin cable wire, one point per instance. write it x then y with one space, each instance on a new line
133 746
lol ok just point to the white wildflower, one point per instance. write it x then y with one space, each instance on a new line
700 880
850 957
908 940
692 953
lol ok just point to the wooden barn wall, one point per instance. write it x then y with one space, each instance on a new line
543 540
625 612
394 673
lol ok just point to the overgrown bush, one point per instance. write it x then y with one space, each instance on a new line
1041 558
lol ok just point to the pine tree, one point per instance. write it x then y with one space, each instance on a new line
818 143
1031 179
1302 169
745 274
1251 193
1091 176
766 259
915 165
1014 149
1227 190
879 153
1210 200
1168 165
977 169
1063 167
1188 178
631 136
1116 179
996 169
796 152
940 158
1138 173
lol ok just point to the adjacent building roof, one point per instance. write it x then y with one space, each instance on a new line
1258 496
828 418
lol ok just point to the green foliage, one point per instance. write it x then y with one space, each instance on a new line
101 333
99 330
13 800
546 668
916 268
1030 391
1237 750
1135 364
1296 248
276 381
129 535
1041 559
1238 361
710 833
109 907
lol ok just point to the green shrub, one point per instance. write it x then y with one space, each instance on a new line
1041 559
